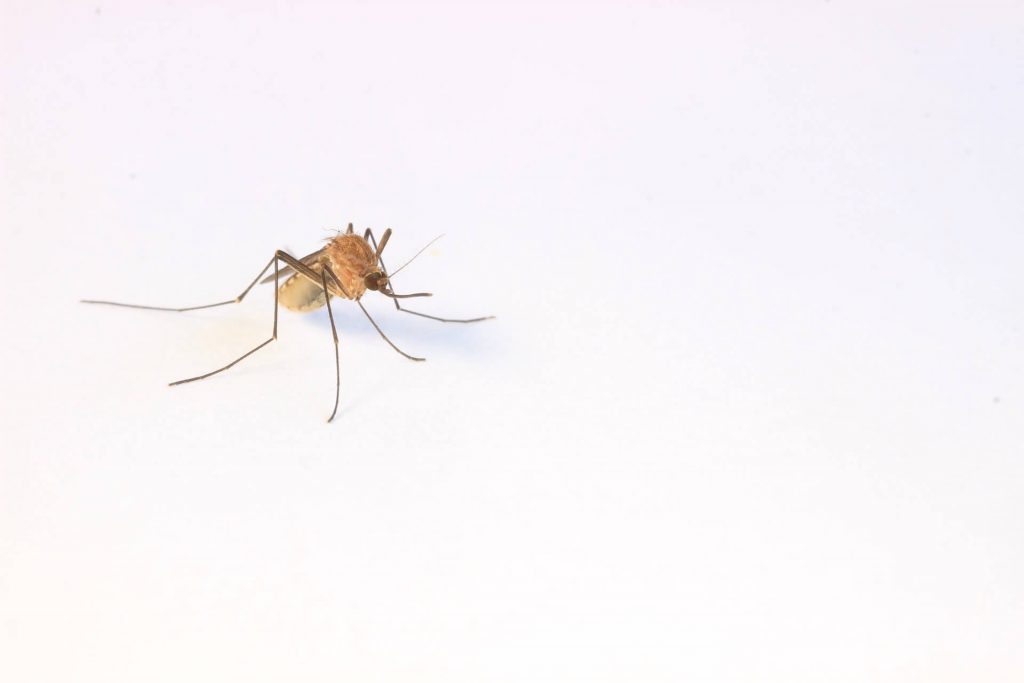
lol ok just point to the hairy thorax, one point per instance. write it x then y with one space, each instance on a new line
351 258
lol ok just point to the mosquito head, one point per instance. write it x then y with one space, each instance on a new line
376 281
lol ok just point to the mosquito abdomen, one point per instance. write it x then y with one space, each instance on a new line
299 294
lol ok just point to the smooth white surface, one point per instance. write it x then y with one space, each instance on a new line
751 411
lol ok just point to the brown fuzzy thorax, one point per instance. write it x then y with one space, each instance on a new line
351 258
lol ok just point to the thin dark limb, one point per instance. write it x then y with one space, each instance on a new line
443 320
327 269
383 242
236 300
392 295
373 241
396 297
308 259
273 336
334 332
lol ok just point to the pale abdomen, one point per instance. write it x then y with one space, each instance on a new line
299 294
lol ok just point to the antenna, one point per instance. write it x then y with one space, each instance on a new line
392 273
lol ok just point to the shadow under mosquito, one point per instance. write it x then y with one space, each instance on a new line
410 333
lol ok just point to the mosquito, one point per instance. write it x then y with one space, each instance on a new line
347 267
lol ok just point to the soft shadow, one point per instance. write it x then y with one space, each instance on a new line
411 333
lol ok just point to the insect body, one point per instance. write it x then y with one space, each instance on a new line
347 267
350 257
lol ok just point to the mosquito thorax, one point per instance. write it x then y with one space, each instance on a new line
350 258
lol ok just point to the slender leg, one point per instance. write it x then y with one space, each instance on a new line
327 269
237 299
444 320
373 241
378 249
273 335
369 232
334 332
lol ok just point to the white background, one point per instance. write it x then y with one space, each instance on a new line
752 409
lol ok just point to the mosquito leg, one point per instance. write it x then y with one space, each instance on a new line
236 300
383 268
327 269
273 336
373 241
443 320
334 332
